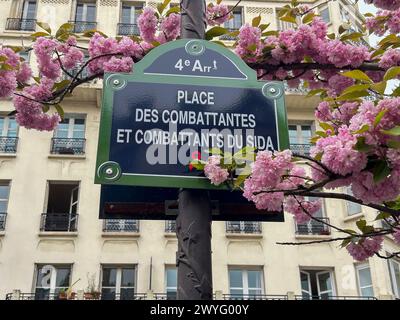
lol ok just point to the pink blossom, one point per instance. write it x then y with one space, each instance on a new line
248 36
301 209
148 24
365 248
390 58
214 172
217 14
24 74
72 58
118 64
385 4
396 235
338 153
8 83
323 111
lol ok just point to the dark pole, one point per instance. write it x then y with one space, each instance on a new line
193 224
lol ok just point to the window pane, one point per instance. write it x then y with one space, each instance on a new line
254 279
396 273
324 280
306 133
367 292
255 292
1 125
126 14
236 293
79 12
43 277
109 277
91 13
325 15
128 277
108 294
171 274
235 278
4 191
293 134
3 206
305 285
42 294
365 277
63 276
127 294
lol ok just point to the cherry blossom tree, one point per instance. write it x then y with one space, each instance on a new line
358 145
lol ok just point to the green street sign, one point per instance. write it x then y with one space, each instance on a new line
183 99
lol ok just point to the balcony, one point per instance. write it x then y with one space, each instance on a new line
8 144
301 297
56 296
128 29
170 226
120 225
243 227
19 24
3 217
72 146
165 296
313 227
253 297
228 37
83 26
302 149
59 222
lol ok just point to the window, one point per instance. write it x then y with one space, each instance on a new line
24 55
4 195
118 283
171 280
314 227
8 135
243 227
236 22
62 207
317 284
325 15
69 137
283 25
352 208
121 225
299 137
394 267
245 283
364 280
23 16
50 279
128 22
85 16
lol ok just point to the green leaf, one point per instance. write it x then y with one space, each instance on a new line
39 34
363 129
326 126
61 85
288 18
380 171
379 87
382 215
396 92
393 144
270 33
175 9
198 164
215 32
392 73
331 36
356 87
64 29
60 110
379 116
161 7
352 36
90 33
256 21
315 92
308 17
45 26
361 224
362 146
353 95
357 75
45 108
392 132
264 26
240 179
318 156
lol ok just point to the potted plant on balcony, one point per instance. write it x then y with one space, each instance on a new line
92 291
67 293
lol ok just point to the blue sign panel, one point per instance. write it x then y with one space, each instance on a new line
184 99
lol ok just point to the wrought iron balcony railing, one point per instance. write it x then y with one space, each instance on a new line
313 228
170 226
21 24
3 217
302 149
254 297
59 222
67 146
123 296
228 36
120 225
58 296
243 227
8 144
83 26
319 297
165 296
128 29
